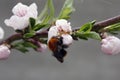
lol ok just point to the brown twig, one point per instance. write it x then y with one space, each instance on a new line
104 23
96 27
12 38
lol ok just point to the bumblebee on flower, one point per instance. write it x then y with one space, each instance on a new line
59 38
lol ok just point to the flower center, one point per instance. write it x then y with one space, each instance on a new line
22 13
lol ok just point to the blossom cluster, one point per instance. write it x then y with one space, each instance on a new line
60 34
58 37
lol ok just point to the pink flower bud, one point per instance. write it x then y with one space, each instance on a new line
42 47
21 15
110 45
4 52
67 39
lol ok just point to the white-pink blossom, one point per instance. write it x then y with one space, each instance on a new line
62 29
1 33
53 31
63 25
110 45
4 52
21 14
67 39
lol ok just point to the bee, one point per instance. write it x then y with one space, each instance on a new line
58 48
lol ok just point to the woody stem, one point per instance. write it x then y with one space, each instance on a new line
96 27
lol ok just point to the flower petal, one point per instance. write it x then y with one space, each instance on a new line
17 22
20 10
33 10
1 33
53 31
64 25
67 39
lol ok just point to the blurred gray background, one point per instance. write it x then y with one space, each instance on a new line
84 61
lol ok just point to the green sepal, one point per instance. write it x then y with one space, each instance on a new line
32 22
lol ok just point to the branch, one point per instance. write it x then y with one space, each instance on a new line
12 38
19 36
104 23
96 27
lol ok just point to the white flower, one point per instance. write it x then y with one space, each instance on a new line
62 29
4 52
21 14
67 39
53 31
110 45
63 25
1 33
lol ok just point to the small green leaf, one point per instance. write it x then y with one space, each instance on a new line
40 26
65 14
93 22
80 35
66 10
43 12
32 22
92 35
28 35
28 44
113 32
48 12
114 27
86 35
51 8
19 46
46 19
87 27
23 46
